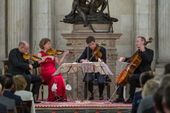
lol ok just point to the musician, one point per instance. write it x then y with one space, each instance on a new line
19 65
56 85
147 57
88 56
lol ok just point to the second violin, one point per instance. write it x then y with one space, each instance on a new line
55 52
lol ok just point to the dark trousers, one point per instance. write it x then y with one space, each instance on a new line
35 80
91 79
134 83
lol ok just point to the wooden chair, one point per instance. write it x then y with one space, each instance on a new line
43 83
5 67
25 107
107 84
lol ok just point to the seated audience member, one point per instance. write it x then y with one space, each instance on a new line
145 76
21 84
167 69
166 99
9 103
158 96
10 89
3 108
149 89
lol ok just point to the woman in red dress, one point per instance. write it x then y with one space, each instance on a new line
56 84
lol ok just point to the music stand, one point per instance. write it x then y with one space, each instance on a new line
88 67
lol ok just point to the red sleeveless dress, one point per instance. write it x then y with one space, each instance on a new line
47 68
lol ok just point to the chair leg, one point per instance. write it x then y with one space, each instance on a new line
108 90
42 92
85 90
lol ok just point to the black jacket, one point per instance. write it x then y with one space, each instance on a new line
17 64
147 58
10 95
87 54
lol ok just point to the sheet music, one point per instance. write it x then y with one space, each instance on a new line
87 67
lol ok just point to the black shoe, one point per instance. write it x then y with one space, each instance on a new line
128 101
91 98
119 100
101 98
36 102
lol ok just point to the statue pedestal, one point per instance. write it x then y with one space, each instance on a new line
76 42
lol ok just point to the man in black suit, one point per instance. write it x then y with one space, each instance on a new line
5 101
21 66
10 89
3 108
147 58
88 56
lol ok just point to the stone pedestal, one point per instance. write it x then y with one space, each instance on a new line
76 42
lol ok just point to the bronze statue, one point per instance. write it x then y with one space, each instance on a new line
88 12
82 9
95 4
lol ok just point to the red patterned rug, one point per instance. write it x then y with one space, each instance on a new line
81 105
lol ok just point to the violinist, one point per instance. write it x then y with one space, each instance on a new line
93 53
56 84
146 56
21 66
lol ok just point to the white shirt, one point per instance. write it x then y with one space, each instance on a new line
25 96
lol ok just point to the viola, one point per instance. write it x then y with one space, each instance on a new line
96 53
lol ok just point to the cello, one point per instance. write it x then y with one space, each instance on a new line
132 65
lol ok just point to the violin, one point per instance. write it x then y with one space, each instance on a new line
53 52
97 53
32 57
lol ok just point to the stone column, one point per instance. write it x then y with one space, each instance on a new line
145 19
2 30
42 21
163 31
18 22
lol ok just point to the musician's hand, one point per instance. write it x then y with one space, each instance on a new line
66 53
122 59
51 57
30 66
42 60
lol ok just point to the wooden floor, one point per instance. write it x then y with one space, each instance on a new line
82 107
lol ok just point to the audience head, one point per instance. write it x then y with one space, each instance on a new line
2 79
167 69
158 97
150 88
145 76
23 47
9 82
166 99
20 82
165 80
91 42
45 44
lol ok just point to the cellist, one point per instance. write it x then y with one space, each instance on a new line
146 55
